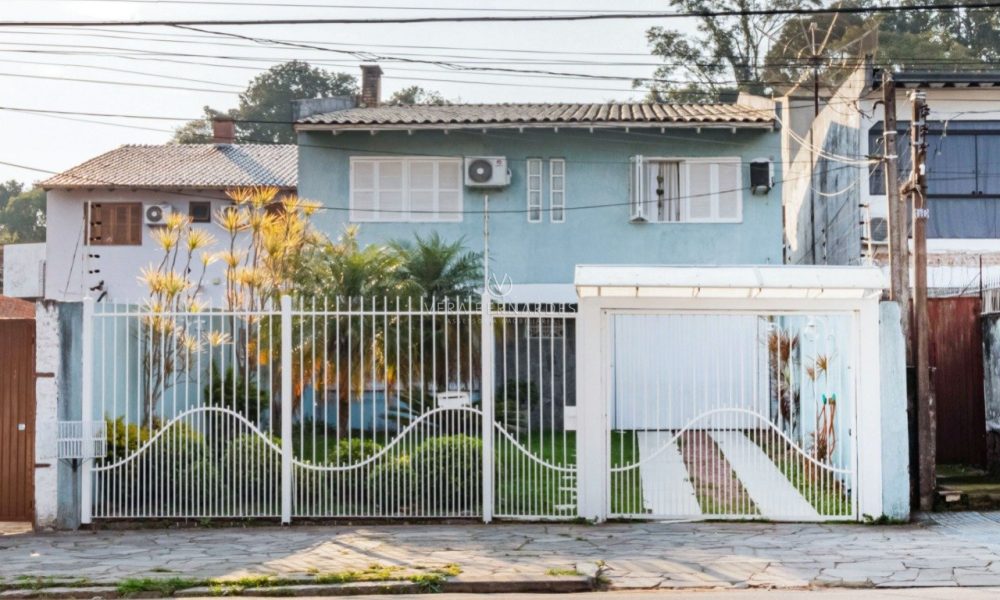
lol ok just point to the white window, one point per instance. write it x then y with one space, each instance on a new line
686 190
557 190
534 190
406 189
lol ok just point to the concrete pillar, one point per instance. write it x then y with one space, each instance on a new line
895 437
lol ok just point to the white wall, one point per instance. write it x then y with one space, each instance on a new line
72 268
23 270
47 357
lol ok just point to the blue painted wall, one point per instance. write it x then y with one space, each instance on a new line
597 172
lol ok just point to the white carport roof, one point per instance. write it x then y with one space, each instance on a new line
758 281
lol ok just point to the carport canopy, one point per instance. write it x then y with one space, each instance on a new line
707 281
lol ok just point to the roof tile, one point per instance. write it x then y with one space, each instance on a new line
514 114
171 166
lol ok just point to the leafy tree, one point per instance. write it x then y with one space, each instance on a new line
22 220
9 189
415 94
264 114
432 267
762 53
725 54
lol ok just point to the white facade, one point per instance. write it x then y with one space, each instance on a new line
24 270
73 270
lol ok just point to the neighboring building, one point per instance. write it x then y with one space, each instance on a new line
589 183
98 231
848 189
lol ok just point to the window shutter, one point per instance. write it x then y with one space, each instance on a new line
92 218
637 204
557 190
534 190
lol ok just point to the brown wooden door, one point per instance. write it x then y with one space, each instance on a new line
17 419
956 357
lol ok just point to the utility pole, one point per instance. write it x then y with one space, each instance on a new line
926 409
814 58
899 260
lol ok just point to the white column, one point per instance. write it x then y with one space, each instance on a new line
286 409
87 412
486 391
592 415
868 407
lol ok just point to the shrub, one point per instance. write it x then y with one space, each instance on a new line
236 392
353 451
450 469
254 467
124 438
391 484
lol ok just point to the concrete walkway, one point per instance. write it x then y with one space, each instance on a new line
770 490
666 485
952 550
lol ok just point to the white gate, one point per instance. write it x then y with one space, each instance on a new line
369 408
732 415
729 392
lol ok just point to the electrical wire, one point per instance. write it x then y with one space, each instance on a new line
605 16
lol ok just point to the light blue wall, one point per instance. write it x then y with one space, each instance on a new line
597 172
895 433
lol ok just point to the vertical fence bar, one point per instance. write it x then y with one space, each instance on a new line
286 409
486 391
87 416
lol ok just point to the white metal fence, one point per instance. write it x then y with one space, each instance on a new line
340 408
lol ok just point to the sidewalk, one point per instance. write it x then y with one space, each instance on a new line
954 549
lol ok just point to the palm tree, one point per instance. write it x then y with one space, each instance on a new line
348 276
432 267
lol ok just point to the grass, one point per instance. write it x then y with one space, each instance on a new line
164 587
563 572
525 487
429 579
626 486
827 495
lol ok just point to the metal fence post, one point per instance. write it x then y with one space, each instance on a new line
486 391
286 409
87 412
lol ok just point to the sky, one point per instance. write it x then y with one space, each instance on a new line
35 63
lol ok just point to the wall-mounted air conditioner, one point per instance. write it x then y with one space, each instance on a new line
486 172
155 214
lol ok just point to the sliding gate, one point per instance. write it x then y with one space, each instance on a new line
732 416
360 408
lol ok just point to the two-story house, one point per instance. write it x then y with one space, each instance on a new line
607 183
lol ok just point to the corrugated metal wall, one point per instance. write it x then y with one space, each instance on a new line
956 355
17 419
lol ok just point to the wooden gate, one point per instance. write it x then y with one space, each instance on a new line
17 419
956 357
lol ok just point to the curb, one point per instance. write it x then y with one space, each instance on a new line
467 585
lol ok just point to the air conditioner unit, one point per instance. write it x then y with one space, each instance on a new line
880 230
156 214
486 172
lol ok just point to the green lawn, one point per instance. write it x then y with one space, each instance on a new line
816 485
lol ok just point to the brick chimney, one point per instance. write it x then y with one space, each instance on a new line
223 130
371 85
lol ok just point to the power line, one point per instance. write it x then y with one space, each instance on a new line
607 16
98 181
